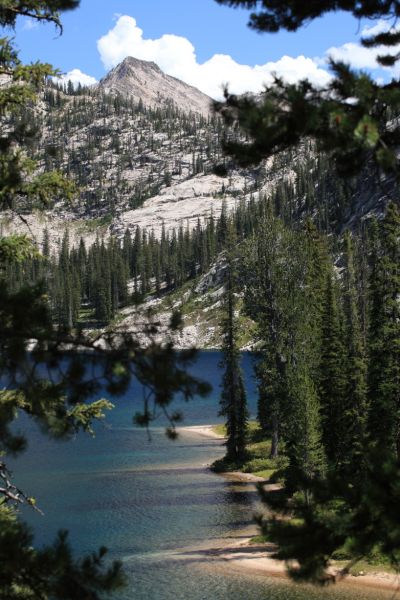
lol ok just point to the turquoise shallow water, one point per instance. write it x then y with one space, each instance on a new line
154 504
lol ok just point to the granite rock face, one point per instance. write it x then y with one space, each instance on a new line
144 80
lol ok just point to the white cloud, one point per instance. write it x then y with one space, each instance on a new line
176 56
76 76
366 58
355 55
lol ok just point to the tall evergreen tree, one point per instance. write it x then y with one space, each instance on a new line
233 396
331 380
264 303
304 446
303 312
356 412
384 364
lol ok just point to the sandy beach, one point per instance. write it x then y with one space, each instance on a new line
203 430
242 555
256 558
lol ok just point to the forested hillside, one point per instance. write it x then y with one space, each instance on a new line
153 197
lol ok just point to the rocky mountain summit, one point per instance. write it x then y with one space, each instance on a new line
144 82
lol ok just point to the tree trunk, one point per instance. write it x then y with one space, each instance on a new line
275 437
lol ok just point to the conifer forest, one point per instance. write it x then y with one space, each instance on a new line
291 252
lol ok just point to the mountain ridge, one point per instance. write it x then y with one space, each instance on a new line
144 81
154 167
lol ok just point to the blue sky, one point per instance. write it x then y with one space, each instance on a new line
196 40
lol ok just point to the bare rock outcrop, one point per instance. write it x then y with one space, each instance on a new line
144 81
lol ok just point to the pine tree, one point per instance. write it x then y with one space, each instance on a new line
384 364
269 290
356 411
317 267
306 258
127 248
222 225
46 244
304 445
233 396
331 380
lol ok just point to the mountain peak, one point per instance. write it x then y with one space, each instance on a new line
144 80
130 62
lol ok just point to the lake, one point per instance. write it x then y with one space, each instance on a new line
155 504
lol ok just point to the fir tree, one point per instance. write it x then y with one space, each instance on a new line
233 396
332 382
264 303
356 411
384 369
305 450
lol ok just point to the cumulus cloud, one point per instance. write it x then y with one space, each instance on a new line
355 55
366 58
76 76
176 56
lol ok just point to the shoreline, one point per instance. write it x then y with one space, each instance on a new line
256 559
203 430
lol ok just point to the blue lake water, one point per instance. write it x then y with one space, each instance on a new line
154 504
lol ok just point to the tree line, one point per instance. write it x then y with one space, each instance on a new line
112 273
328 321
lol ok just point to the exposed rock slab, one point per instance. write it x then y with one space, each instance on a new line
183 203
